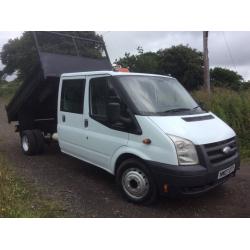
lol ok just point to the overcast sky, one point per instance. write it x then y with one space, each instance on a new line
226 49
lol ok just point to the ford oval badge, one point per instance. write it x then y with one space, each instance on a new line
226 150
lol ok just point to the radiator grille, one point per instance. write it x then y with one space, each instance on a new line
215 151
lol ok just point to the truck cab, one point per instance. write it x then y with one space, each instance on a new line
147 131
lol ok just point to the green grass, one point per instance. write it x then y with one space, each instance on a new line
20 200
7 90
232 107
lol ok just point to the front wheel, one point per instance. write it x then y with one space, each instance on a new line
135 182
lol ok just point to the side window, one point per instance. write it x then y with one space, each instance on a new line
101 92
72 96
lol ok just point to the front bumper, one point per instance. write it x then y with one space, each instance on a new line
189 180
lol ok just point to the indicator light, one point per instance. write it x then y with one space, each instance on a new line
146 141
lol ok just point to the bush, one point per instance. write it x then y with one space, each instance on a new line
222 77
232 107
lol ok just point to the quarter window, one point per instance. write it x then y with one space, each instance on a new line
72 96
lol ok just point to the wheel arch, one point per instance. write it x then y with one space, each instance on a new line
123 154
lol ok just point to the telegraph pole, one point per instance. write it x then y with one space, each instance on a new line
206 62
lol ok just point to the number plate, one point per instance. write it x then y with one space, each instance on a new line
226 171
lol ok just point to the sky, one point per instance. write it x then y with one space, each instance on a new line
226 49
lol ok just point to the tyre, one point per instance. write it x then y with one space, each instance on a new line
28 142
135 182
39 141
25 121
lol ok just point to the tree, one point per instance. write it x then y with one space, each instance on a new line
142 62
148 63
128 61
245 85
183 63
226 78
20 54
2 77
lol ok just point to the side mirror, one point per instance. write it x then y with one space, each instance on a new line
113 112
202 105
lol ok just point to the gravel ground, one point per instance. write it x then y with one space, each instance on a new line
86 191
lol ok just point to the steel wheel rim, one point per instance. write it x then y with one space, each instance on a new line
25 143
135 183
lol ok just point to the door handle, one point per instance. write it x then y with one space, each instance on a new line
63 118
86 123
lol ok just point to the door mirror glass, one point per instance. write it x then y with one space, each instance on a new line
113 112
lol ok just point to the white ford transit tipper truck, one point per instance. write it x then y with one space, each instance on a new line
144 129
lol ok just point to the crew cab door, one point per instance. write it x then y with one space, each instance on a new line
103 138
71 130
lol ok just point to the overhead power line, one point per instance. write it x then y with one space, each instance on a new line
229 51
105 32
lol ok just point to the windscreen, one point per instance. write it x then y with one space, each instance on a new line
157 95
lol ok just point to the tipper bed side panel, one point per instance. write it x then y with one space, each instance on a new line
57 64
37 96
24 93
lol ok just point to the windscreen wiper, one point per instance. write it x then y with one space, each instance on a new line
197 107
176 110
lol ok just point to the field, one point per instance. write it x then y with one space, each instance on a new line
7 90
18 199
232 107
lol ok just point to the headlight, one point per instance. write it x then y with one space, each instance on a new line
186 152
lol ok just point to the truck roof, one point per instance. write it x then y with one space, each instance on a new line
112 73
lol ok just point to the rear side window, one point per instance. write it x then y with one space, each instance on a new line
72 96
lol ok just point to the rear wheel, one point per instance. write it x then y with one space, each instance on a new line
28 142
39 141
135 182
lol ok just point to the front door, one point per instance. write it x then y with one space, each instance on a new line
71 130
103 138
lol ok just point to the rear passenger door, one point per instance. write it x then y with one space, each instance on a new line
71 131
